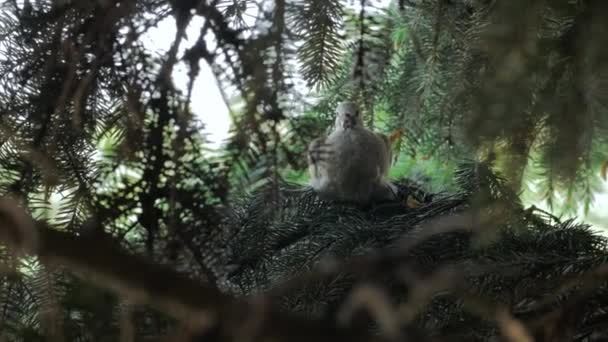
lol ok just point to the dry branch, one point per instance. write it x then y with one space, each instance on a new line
103 262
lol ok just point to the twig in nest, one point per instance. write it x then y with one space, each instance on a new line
399 254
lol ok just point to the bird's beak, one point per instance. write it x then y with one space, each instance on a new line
349 122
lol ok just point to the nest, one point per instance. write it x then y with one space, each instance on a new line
525 265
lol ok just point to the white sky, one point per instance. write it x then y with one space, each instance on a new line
207 102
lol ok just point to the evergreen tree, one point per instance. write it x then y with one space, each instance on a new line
520 80
84 232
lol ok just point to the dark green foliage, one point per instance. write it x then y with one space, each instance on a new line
520 78
529 256
497 81
318 23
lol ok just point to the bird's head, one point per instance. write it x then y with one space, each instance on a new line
348 116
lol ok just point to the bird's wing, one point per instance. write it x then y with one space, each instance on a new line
389 150
313 146
318 154
385 139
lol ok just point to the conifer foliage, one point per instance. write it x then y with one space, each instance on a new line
520 78
118 223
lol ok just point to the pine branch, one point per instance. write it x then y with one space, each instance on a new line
176 294
318 23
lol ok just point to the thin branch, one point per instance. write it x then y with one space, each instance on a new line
106 264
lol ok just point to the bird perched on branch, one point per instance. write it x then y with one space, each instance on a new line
351 164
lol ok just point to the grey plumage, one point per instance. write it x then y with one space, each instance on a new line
351 164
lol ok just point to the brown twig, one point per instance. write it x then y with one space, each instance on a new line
106 264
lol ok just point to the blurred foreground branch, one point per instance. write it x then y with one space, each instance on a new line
102 262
